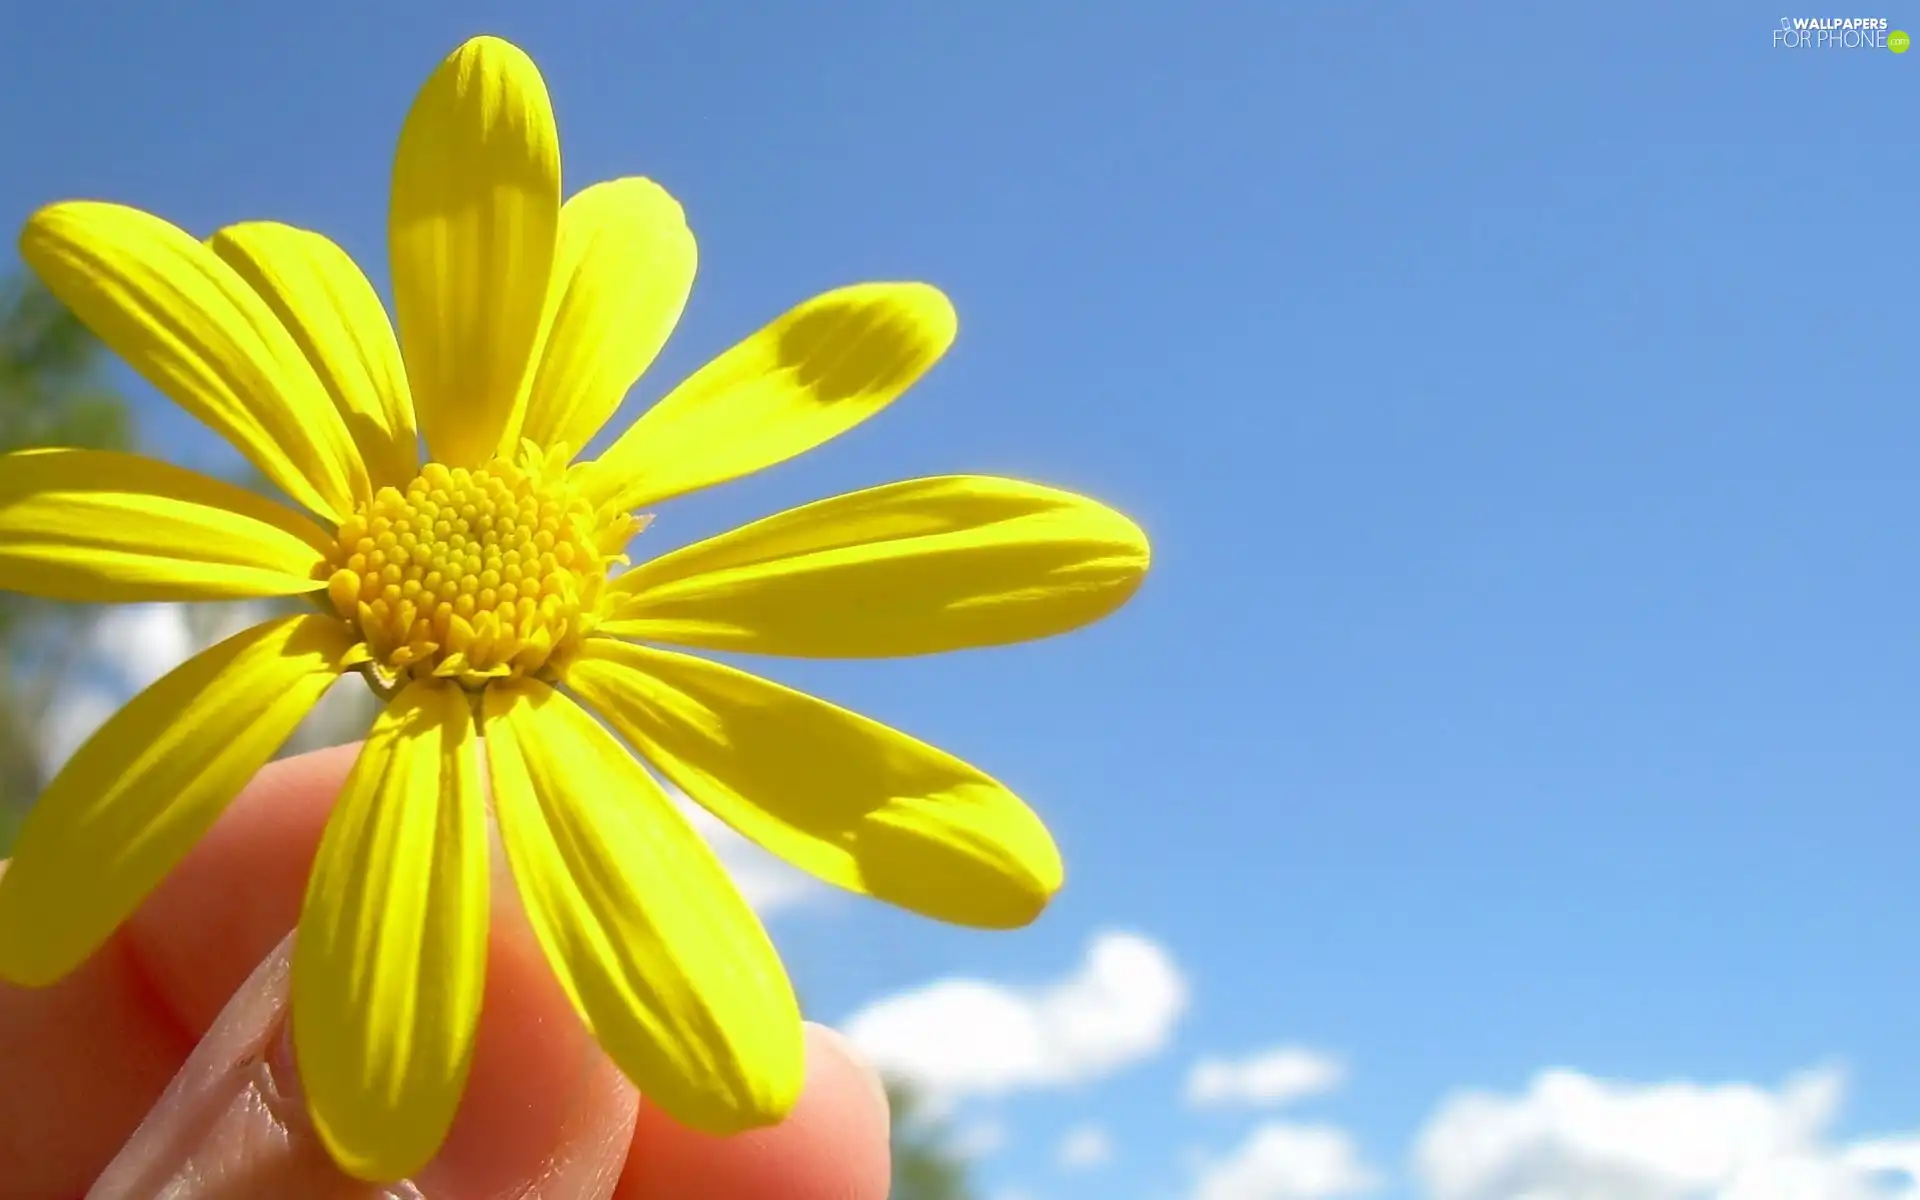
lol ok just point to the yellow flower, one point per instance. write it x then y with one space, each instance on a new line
473 591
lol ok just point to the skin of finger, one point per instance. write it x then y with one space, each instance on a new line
98 1049
231 1125
537 1078
522 1116
87 1057
66 1099
237 893
832 1147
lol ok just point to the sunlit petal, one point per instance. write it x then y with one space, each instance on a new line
476 203
812 374
326 303
856 803
910 568
99 526
148 783
665 961
389 962
624 269
194 328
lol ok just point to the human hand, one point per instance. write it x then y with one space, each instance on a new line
163 1067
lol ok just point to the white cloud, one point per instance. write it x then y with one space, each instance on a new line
1283 1161
343 715
1085 1148
129 647
141 642
1572 1137
210 624
1886 1154
126 649
1269 1079
965 1036
69 722
768 883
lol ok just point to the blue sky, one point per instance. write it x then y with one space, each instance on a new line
1519 398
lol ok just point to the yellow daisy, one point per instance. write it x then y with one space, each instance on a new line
474 593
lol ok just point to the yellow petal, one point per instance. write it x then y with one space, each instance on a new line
476 201
856 803
811 375
390 958
333 313
141 791
663 959
909 568
98 526
190 324
621 276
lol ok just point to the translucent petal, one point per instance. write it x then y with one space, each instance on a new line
811 375
665 961
622 274
326 303
476 203
910 568
390 959
99 526
149 783
193 327
856 803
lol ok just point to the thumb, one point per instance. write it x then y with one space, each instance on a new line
232 1124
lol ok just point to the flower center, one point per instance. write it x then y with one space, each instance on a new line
474 575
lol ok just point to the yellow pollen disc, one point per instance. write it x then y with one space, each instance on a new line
475 575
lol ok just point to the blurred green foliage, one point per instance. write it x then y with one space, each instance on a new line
54 391
53 385
924 1165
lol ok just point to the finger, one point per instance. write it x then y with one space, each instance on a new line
538 1090
238 892
541 1100
222 1125
86 1058
102 1045
232 1124
82 1061
833 1146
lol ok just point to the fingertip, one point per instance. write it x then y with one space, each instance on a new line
849 1059
85 1058
542 1109
80 1061
196 941
832 1147
537 1078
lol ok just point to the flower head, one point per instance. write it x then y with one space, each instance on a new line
479 587
491 574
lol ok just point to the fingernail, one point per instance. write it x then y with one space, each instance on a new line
232 1113
874 1083
282 1071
